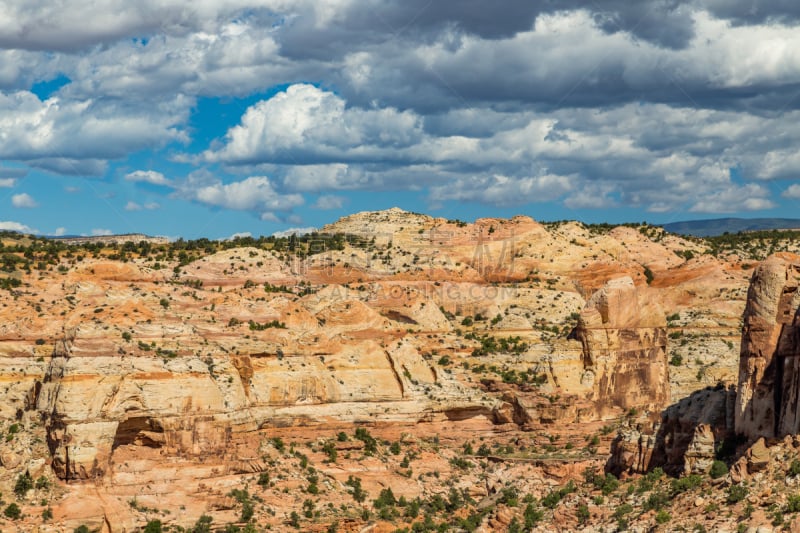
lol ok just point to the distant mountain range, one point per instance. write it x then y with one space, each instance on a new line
718 226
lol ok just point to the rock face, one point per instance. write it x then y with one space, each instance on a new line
632 451
693 429
624 341
196 407
769 366
685 441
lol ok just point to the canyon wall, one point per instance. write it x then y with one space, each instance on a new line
624 337
768 394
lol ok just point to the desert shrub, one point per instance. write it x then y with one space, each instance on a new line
13 511
685 484
532 516
794 468
583 514
359 494
203 525
656 501
793 504
385 499
736 493
23 485
552 499
153 526
718 469
330 449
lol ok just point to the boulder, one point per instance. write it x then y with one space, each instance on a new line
757 457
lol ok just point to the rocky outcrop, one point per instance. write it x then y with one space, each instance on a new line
624 339
196 407
685 441
694 429
166 376
632 451
768 395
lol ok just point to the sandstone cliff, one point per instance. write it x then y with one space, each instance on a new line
769 368
624 338
166 376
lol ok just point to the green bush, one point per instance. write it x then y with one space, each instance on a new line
662 517
203 525
359 494
583 514
656 501
385 499
736 493
153 526
23 485
370 444
793 504
685 484
330 449
623 510
552 499
607 484
648 275
718 469
13 511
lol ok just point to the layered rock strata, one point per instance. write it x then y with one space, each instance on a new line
624 339
194 407
768 394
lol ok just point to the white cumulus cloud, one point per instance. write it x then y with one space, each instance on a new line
329 201
749 197
792 192
310 123
295 231
9 225
23 200
149 206
255 193
148 176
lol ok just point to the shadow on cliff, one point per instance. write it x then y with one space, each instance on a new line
691 434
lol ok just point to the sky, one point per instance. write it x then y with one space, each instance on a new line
210 118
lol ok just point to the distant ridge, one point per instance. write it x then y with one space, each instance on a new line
718 226
119 239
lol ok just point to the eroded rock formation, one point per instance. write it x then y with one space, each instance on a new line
768 395
167 379
624 339
193 406
686 440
